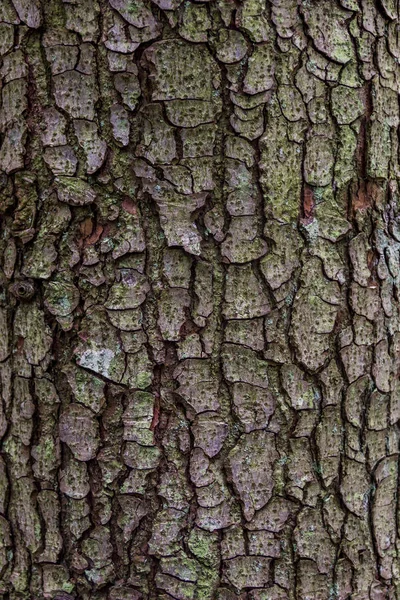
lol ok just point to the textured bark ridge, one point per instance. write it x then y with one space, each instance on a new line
200 328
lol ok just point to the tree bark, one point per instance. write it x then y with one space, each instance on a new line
200 327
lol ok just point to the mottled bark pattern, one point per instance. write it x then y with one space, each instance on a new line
200 326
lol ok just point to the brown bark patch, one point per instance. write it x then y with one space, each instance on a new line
156 414
129 206
360 199
307 205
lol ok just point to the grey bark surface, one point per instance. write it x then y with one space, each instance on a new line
199 308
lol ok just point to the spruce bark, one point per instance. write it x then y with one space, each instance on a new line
200 326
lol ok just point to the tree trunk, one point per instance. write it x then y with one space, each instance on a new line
200 325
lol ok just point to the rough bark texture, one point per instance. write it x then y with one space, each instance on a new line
200 327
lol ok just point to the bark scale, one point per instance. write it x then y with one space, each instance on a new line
200 329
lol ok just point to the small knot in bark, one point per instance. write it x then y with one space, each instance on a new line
23 290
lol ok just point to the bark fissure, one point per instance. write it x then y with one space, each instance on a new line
199 307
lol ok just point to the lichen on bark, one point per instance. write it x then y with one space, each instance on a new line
199 308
